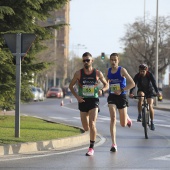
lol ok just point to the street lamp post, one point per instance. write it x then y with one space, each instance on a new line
144 25
77 47
144 10
55 56
156 59
81 46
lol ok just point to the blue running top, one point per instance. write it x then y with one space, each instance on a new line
116 81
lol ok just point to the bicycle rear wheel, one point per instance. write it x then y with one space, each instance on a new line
144 122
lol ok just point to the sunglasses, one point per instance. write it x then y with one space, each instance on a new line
86 60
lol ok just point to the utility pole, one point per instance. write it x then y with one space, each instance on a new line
144 10
55 57
144 26
156 59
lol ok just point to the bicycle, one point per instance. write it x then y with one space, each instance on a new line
145 115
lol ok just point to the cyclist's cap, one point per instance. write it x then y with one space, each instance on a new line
143 67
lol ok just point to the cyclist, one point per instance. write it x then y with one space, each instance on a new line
146 84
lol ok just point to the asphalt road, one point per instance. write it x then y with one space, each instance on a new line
134 151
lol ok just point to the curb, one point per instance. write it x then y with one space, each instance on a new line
161 108
30 147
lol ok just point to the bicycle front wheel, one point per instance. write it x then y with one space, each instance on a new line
144 122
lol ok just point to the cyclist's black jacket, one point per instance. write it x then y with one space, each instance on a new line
148 86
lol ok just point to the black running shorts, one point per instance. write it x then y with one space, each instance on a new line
120 101
90 103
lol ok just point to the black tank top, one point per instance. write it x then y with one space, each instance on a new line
88 84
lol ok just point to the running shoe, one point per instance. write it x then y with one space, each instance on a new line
139 119
152 126
90 152
113 148
129 123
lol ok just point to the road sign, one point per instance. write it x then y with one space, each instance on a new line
26 41
10 40
19 45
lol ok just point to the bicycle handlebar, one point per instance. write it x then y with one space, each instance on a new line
138 96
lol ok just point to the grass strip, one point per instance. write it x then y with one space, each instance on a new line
32 130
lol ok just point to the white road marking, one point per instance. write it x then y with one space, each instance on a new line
158 120
24 115
60 118
163 158
70 109
37 117
163 125
104 118
77 118
71 120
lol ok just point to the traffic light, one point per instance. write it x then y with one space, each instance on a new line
102 56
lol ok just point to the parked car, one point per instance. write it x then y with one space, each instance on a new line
55 92
40 94
35 93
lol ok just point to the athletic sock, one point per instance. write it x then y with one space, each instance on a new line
91 144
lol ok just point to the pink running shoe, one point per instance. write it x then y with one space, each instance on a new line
129 124
90 152
113 148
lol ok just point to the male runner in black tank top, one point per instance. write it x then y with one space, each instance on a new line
88 96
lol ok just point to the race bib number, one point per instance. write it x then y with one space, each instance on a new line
88 90
114 87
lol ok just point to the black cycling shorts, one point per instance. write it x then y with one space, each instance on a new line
120 101
90 103
148 94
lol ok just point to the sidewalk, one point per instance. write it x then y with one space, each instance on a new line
30 147
163 105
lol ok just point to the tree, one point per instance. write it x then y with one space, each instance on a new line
19 17
101 64
140 43
75 63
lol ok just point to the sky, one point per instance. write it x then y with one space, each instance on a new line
98 25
